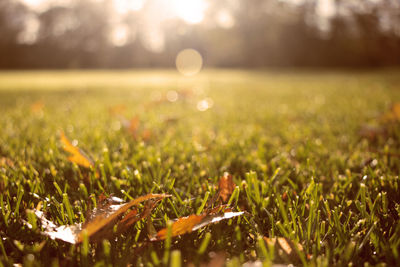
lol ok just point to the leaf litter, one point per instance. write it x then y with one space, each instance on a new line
194 222
110 212
102 220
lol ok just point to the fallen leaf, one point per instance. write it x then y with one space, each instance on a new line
285 195
194 222
65 233
226 186
392 115
133 216
134 128
78 156
37 107
101 220
182 226
146 134
105 205
4 161
117 109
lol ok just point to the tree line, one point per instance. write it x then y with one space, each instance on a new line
262 33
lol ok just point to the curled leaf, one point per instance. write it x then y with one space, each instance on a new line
104 220
194 222
226 186
133 216
78 156
101 220
65 233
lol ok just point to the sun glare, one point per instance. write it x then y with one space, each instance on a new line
124 6
191 11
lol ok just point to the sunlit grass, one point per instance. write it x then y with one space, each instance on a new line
290 140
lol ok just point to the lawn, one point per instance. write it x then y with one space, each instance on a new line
314 156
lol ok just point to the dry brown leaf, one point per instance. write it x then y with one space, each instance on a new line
65 233
101 220
194 222
133 216
226 186
77 155
106 219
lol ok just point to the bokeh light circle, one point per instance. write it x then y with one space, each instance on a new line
189 62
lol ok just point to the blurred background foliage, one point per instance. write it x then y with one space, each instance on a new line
228 33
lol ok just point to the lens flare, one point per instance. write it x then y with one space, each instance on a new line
205 104
189 62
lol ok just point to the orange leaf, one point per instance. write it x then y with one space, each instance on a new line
226 186
100 220
4 161
37 107
146 134
182 226
117 109
77 155
106 219
133 216
392 115
194 222
133 126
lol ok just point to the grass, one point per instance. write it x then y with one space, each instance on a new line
290 139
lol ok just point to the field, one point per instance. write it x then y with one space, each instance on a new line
314 155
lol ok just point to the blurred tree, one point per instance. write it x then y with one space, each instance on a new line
12 16
234 33
76 35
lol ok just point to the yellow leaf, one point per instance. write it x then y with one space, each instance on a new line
77 155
